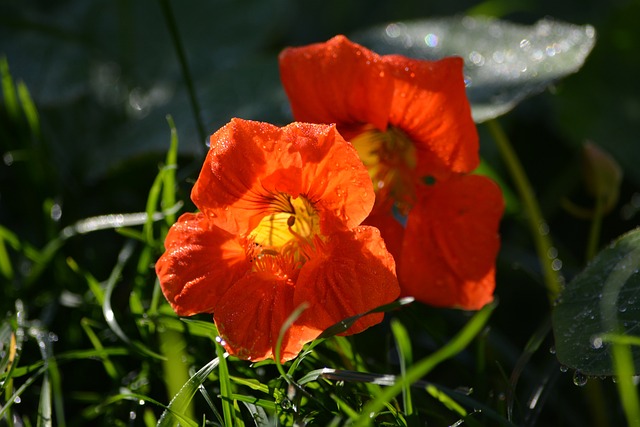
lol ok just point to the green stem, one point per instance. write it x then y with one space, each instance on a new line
539 228
184 65
594 230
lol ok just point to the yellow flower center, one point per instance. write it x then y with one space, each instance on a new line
283 239
390 158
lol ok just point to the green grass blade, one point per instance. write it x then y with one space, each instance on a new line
405 355
225 388
171 164
174 367
107 309
45 413
29 108
109 367
6 268
12 399
420 369
9 90
181 400
184 65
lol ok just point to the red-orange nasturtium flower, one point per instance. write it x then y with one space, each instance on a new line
411 124
278 227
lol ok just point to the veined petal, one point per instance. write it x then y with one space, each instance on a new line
337 82
352 274
201 261
251 163
430 105
451 243
337 183
250 315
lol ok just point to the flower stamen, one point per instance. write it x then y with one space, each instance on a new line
390 159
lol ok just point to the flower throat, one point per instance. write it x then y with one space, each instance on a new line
283 240
390 158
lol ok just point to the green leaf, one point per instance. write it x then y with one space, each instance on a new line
504 62
601 300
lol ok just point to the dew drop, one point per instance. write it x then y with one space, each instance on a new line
564 368
579 379
552 349
17 400
8 158
56 212
431 40
596 342
132 415
543 228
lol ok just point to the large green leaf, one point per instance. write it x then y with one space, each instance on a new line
603 299
504 62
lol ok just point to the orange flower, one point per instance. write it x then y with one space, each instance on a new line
411 124
278 227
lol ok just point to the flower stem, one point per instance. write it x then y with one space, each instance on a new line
184 65
537 225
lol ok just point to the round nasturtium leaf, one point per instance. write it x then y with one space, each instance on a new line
504 62
603 299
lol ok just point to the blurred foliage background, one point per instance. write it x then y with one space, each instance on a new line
103 75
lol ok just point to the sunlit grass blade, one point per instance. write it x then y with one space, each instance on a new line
96 410
107 309
45 414
405 356
225 387
45 340
446 400
174 366
171 164
530 348
4 410
92 282
29 108
458 343
257 412
344 407
109 367
345 324
391 380
181 400
9 90
252 383
6 268
7 347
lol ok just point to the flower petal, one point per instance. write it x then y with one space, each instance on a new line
391 230
336 82
201 261
430 105
250 315
353 274
451 243
250 162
